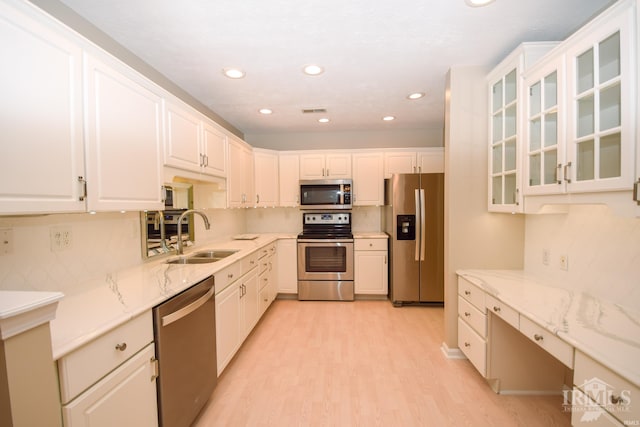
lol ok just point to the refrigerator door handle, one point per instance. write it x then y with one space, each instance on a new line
422 225
418 223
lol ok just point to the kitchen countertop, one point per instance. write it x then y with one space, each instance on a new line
607 332
23 310
370 235
119 297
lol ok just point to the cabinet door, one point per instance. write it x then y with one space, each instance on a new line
289 172
214 151
124 139
371 272
250 302
368 182
182 144
266 178
42 152
544 134
240 179
312 166
287 267
503 145
127 396
601 95
399 162
338 165
431 161
228 332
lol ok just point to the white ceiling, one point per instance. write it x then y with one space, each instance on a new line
375 52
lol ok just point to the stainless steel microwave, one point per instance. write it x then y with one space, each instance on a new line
325 194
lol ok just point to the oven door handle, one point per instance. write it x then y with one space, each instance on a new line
325 240
185 311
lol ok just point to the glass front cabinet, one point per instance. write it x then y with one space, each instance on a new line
578 111
505 85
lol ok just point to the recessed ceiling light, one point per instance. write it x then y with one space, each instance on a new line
265 111
233 73
416 95
324 120
388 118
478 3
313 70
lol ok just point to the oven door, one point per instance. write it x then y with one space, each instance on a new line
325 259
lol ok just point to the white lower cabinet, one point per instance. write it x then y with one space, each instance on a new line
472 324
227 325
125 397
287 267
371 267
112 380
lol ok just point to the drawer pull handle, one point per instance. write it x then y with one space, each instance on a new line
538 337
466 344
617 399
230 276
496 309
121 347
467 314
467 292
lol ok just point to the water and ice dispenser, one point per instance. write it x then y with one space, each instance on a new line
406 227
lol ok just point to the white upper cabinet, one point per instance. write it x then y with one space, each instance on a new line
368 179
289 177
506 102
42 152
423 160
240 185
123 138
601 97
325 165
192 142
581 115
265 167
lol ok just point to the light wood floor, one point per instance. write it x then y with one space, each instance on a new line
362 363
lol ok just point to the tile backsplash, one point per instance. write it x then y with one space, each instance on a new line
602 252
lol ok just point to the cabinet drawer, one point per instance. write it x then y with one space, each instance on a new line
267 250
548 341
471 293
250 262
473 346
370 245
86 365
226 276
594 415
502 310
474 317
589 374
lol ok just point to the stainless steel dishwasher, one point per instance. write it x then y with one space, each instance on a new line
185 334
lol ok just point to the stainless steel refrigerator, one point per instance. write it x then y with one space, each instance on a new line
413 217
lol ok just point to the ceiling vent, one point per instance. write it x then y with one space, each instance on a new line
313 110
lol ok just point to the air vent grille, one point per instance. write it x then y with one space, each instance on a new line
313 110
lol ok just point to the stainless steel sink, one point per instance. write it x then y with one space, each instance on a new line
203 257
217 254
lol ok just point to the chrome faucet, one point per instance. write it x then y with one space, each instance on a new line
182 215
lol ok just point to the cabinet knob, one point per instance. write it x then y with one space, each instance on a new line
122 346
496 309
466 344
467 292
230 276
467 314
617 399
538 337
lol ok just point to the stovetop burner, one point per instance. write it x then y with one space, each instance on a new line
326 225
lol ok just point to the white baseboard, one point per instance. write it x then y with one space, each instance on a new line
452 353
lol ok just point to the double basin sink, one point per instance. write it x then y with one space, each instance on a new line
202 257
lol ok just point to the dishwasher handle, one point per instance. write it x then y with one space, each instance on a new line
185 311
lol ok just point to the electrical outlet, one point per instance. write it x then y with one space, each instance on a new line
545 256
60 238
6 241
564 262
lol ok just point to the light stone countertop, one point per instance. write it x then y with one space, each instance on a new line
117 298
607 332
370 235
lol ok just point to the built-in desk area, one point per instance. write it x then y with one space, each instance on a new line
525 336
